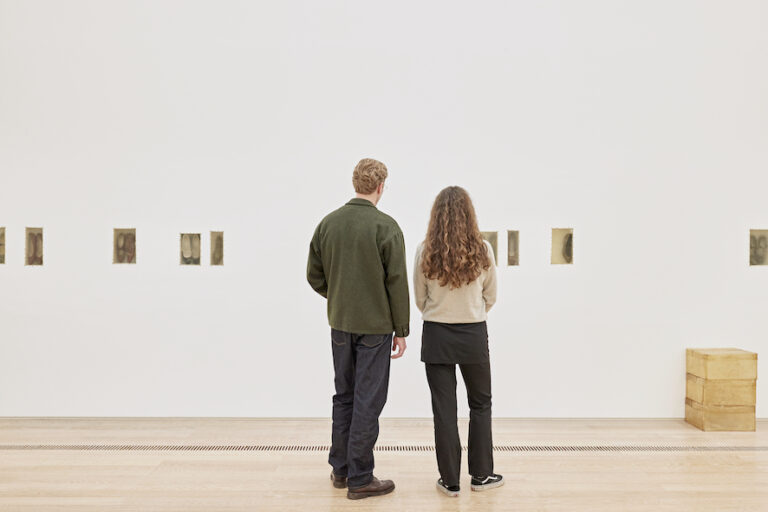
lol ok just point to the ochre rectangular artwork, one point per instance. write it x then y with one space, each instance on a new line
493 238
758 246
720 418
190 249
217 248
2 245
562 246
720 385
513 248
124 246
721 391
721 363
34 246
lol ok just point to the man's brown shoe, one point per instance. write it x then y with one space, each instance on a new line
339 482
375 488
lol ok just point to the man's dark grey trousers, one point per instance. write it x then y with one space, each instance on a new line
361 363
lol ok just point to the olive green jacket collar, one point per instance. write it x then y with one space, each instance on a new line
361 202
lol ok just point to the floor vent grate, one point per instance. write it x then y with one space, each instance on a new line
379 448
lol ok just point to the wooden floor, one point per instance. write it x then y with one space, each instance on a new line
710 475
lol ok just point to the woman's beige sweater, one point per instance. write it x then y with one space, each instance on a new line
467 304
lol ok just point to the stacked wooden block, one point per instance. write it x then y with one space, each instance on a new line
720 390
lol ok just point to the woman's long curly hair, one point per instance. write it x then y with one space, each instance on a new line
454 252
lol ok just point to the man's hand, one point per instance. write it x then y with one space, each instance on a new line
398 347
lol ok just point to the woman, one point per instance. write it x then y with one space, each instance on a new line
455 286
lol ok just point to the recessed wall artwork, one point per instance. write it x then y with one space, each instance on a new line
124 246
513 248
758 246
2 245
562 246
34 246
493 239
190 249
217 248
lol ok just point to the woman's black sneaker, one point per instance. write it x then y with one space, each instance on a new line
487 482
450 490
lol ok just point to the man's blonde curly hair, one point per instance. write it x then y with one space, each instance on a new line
368 174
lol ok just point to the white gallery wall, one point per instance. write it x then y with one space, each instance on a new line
642 125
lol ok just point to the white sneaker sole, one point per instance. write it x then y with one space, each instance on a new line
452 494
479 488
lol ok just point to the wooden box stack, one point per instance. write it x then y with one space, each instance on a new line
720 389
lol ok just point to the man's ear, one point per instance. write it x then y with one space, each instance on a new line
380 189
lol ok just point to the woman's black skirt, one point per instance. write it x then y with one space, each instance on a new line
454 343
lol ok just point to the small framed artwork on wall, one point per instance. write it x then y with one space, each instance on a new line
190 249
124 246
217 248
562 246
493 238
758 246
513 248
34 246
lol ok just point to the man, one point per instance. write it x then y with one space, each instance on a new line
357 261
